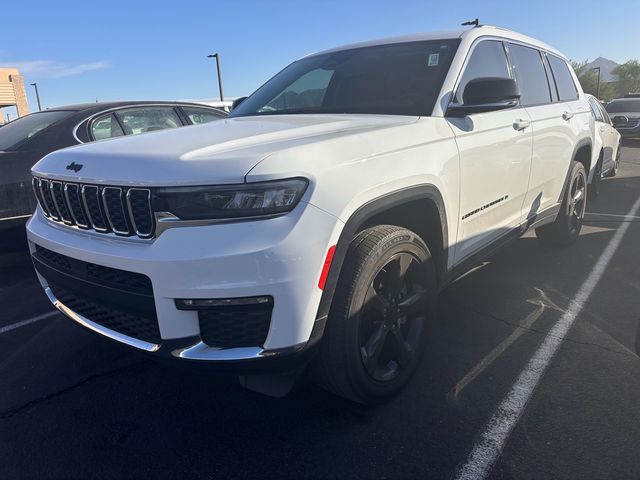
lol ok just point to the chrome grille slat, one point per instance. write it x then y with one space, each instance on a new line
74 204
121 211
60 202
91 200
114 209
45 187
38 192
140 213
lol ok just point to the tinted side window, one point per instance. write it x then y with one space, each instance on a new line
595 110
487 60
605 115
104 127
201 115
148 119
530 75
564 81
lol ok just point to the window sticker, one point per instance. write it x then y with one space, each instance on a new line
434 58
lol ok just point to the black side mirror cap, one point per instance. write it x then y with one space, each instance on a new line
237 102
486 94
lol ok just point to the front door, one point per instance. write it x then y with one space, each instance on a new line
495 159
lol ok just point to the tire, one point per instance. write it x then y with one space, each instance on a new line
594 186
566 228
379 318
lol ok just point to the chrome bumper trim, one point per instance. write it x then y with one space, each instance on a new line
202 351
85 322
197 351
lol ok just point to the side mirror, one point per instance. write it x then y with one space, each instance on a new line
620 121
486 94
237 102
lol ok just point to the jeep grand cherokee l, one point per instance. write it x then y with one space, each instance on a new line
318 222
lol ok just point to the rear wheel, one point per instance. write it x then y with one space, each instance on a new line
566 228
378 322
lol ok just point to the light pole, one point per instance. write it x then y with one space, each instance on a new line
598 87
35 85
217 57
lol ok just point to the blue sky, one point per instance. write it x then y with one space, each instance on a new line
80 51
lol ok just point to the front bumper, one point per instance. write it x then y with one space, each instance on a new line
279 257
629 132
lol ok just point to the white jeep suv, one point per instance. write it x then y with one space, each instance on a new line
319 221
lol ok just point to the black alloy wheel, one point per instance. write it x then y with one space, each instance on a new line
393 317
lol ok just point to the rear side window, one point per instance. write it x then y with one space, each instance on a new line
201 115
105 127
595 110
564 81
148 119
530 75
487 60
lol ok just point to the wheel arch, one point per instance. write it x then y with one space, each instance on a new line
395 208
581 153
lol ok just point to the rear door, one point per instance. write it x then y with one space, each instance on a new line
552 135
495 158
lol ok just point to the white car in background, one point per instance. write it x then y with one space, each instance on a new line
606 146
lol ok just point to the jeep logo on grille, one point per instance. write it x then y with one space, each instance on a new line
76 167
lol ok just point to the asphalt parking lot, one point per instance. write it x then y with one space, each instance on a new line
75 405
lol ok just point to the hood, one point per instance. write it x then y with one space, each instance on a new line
223 151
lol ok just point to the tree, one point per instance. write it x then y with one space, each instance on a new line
628 77
588 78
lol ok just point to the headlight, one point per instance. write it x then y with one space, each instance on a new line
231 201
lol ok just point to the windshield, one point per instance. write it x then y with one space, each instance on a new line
393 79
16 132
620 106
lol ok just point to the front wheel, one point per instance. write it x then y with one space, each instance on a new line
566 228
379 318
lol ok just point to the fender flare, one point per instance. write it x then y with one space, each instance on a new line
585 142
368 211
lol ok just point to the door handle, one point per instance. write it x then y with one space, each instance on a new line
567 115
602 129
521 124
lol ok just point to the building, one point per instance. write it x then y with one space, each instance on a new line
12 92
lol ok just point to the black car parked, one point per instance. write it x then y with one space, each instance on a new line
625 113
26 140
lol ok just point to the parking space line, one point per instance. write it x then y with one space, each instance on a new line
28 321
495 434
626 217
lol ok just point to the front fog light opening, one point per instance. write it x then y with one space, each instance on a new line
206 303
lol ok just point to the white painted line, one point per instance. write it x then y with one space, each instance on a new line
494 436
28 321
626 217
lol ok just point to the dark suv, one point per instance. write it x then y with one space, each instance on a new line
625 113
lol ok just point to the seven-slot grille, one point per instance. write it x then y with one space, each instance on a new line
123 211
